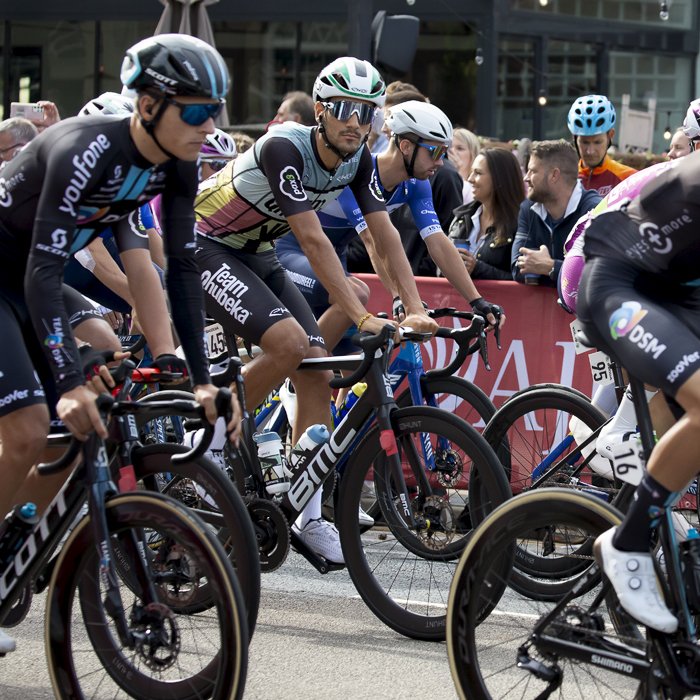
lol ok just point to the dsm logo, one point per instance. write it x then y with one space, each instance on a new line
625 319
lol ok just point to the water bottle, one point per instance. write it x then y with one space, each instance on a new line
312 437
689 554
270 454
18 523
531 279
348 402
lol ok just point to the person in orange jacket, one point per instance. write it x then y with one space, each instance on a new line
592 122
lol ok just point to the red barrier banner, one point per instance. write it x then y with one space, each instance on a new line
536 340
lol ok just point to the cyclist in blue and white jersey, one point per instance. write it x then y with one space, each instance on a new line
421 135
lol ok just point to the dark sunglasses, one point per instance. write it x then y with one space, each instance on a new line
436 152
196 114
344 109
216 165
9 148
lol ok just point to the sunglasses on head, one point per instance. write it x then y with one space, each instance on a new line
216 165
436 152
344 109
198 113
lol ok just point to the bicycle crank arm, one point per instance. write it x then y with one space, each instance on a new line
322 565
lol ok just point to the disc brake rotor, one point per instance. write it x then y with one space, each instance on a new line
441 521
158 636
450 468
178 576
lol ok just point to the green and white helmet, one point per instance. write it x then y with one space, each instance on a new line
351 78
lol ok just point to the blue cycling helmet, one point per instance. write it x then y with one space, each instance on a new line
590 115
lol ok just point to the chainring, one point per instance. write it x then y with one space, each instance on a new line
272 533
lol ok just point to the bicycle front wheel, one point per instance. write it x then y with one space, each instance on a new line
173 655
404 575
211 493
503 657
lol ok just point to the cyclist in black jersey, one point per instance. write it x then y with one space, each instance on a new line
60 192
639 300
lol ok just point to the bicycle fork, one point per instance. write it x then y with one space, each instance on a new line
101 489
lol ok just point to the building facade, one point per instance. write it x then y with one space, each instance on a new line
71 51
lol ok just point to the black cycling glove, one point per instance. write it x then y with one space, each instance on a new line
91 359
484 308
171 363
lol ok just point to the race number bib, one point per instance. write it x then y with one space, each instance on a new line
216 340
628 464
600 368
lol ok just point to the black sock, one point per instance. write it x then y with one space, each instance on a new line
648 505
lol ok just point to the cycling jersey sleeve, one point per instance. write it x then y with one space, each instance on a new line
182 278
283 166
352 212
365 186
423 209
54 239
130 234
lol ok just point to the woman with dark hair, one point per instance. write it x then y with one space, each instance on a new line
484 229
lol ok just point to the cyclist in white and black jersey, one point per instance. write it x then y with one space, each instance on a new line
273 188
58 194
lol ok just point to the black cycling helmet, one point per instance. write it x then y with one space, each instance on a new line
175 64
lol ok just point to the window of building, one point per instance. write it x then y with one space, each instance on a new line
636 11
515 89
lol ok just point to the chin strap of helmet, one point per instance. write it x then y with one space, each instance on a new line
579 152
332 148
150 126
406 164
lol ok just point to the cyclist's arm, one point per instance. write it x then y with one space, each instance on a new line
182 279
387 244
107 271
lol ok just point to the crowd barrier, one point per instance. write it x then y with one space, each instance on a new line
536 340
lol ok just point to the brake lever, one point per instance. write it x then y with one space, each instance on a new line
483 350
497 332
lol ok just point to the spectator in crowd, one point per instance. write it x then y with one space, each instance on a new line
51 115
296 107
680 145
15 133
488 224
446 185
592 122
243 141
555 202
465 148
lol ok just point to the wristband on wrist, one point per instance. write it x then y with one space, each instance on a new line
362 320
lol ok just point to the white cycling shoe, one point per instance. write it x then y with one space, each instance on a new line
634 580
323 538
7 644
365 519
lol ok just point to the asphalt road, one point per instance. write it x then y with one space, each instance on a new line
315 639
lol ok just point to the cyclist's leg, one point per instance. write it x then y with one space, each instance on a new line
24 417
657 342
87 323
237 296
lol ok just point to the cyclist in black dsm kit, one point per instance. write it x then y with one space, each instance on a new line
639 300
59 193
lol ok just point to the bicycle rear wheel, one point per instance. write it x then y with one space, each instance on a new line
403 575
182 657
501 658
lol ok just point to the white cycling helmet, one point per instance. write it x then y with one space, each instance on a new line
350 78
420 118
691 123
108 103
219 146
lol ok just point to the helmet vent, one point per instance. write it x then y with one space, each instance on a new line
377 86
340 79
405 111
360 69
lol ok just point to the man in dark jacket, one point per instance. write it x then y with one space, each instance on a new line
555 202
